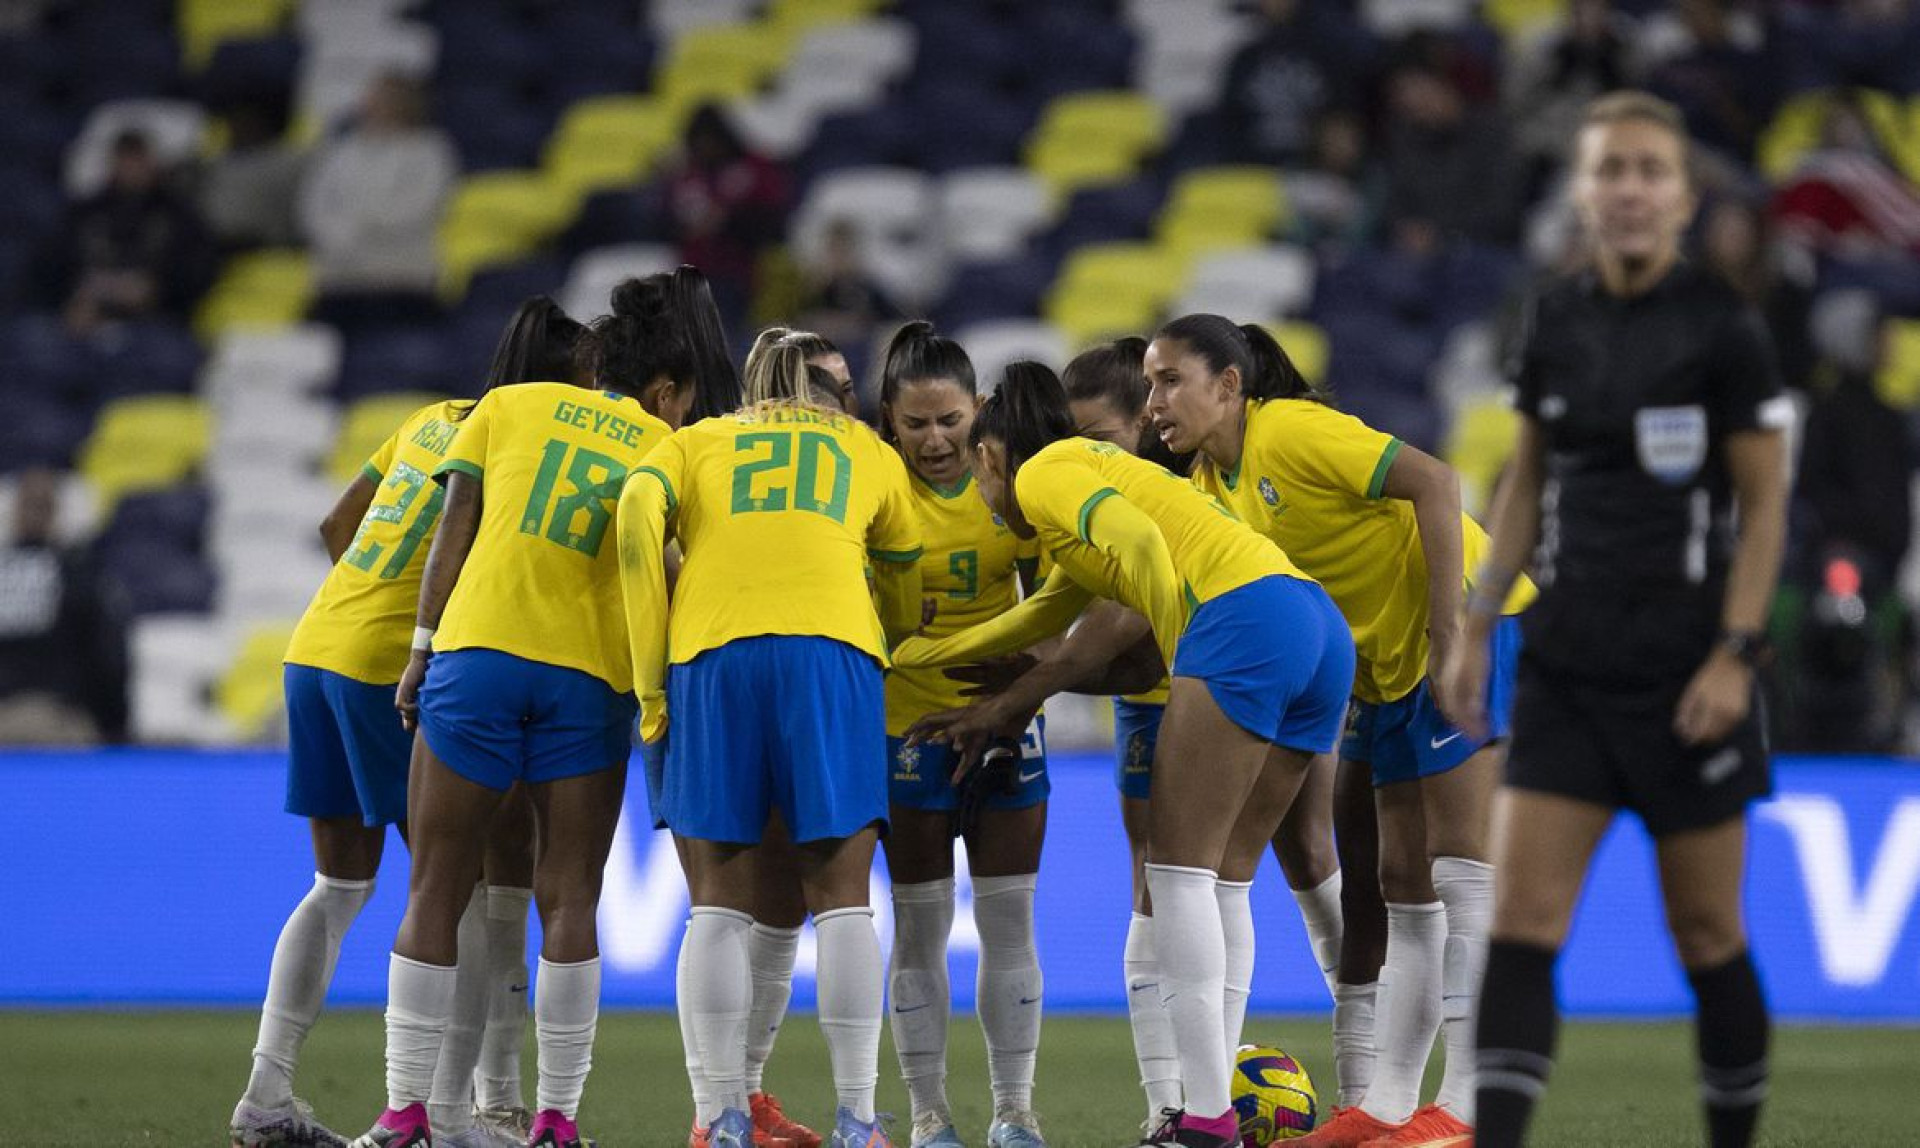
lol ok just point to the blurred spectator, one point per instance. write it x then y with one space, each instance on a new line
134 249
1847 199
1449 171
247 192
725 204
1711 62
63 636
371 205
1337 198
842 301
1307 59
1736 242
1553 76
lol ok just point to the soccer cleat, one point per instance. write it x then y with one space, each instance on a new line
1349 1128
770 1124
731 1129
515 1122
552 1130
934 1129
697 1138
1431 1127
1152 1133
1012 1129
405 1128
291 1124
851 1132
480 1136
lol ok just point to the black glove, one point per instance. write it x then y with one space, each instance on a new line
997 774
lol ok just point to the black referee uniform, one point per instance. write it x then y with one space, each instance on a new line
1634 399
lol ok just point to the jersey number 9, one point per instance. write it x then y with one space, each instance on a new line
773 471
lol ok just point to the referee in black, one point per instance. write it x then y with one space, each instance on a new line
1651 423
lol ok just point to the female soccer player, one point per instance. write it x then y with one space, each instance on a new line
347 766
973 568
1379 524
1261 663
520 673
1648 486
789 477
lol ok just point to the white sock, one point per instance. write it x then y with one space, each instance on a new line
1320 911
1409 1008
565 1014
851 986
770 954
419 1005
1152 1031
450 1108
690 1043
496 1082
919 988
720 992
1008 990
1236 929
1466 889
1353 1040
1192 948
297 981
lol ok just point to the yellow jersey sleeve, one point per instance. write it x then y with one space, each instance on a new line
360 623
646 504
1145 566
1328 449
542 581
1047 612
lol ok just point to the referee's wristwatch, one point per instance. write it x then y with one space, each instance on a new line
1749 646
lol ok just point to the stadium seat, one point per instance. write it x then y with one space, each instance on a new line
1253 285
1123 268
174 660
1182 62
287 361
596 273
380 361
259 289
1517 20
1251 196
1005 289
497 218
367 423
269 579
881 49
1306 344
1478 445
721 62
173 127
989 213
896 216
1090 317
804 15
1897 381
608 142
249 694
346 53
1094 137
144 358
673 18
204 25
267 425
145 443
1394 19
993 345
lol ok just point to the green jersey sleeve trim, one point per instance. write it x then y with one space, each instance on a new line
1379 479
1086 509
470 469
901 556
373 473
673 500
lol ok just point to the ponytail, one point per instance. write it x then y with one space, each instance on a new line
716 383
1112 373
1027 412
916 353
666 324
538 345
1265 370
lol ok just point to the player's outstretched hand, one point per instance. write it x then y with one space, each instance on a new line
986 678
406 698
1461 688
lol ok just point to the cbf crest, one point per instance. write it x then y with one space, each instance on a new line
1268 494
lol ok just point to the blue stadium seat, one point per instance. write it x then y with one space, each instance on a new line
176 516
42 359
995 126
607 218
159 578
1376 353
33 197
1003 290
34 135
492 127
504 286
241 70
884 136
144 358
39 430
1410 418
403 359
1106 214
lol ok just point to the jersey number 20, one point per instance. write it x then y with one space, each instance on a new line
774 466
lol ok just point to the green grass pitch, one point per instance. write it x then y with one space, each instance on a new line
170 1078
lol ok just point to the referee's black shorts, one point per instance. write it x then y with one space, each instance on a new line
1612 743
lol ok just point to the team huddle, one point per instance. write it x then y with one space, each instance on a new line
824 639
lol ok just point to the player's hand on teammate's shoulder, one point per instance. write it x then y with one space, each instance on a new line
990 676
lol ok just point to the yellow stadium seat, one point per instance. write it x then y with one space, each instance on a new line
368 423
1087 317
1897 126
1105 117
1251 195
721 81
1792 134
271 288
1518 19
723 62
805 15
204 24
1478 445
1124 268
1898 380
1195 237
1305 343
145 443
1067 167
608 141
497 217
248 695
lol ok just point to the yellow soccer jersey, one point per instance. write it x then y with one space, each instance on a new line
777 510
970 569
542 581
360 623
1310 478
1207 552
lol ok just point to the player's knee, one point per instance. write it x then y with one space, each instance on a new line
1705 936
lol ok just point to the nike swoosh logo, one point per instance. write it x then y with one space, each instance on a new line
1035 775
915 1008
1028 1000
1436 743
1145 987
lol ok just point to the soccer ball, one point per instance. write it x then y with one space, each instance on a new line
1274 1096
